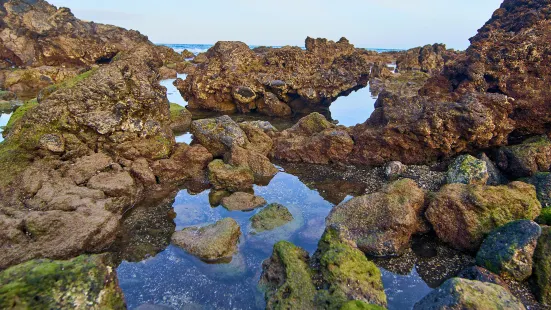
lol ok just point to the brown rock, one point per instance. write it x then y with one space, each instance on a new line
242 202
234 179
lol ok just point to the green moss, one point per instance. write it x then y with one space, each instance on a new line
81 283
69 83
18 114
313 123
348 272
175 110
271 217
542 266
360 305
297 291
467 169
545 217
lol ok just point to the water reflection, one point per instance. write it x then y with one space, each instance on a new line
4 118
353 109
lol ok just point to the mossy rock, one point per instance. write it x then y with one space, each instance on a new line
85 282
542 266
18 114
360 305
545 217
180 118
231 178
542 182
467 169
311 124
526 159
346 272
287 279
271 217
69 83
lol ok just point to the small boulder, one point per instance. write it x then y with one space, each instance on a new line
462 215
382 223
542 266
542 182
286 278
218 135
234 179
457 293
495 175
483 275
466 169
84 282
526 159
394 170
259 164
508 250
180 118
214 242
271 105
271 217
242 202
258 135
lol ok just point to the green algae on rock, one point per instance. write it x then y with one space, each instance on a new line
287 279
462 215
85 282
215 242
457 293
228 177
180 118
542 182
271 217
509 249
360 305
467 169
346 272
545 216
542 266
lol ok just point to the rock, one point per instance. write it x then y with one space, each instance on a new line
86 167
313 140
462 215
508 250
219 135
360 305
116 184
542 266
232 77
258 133
180 118
187 163
495 176
140 168
85 282
259 164
429 58
53 143
526 159
380 70
242 202
234 179
271 105
271 217
542 182
187 54
348 274
477 273
382 223
216 196
394 170
286 278
167 73
213 242
466 169
457 293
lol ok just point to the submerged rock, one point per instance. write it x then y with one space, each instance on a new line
458 293
286 278
271 217
347 273
85 282
542 266
468 170
509 249
213 242
234 179
382 223
462 215
526 159
242 202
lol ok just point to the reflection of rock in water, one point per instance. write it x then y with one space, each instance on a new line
434 261
146 229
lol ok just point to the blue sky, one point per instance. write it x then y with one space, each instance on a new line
366 23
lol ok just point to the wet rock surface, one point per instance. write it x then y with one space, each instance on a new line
509 249
228 177
215 242
273 216
527 158
242 202
466 169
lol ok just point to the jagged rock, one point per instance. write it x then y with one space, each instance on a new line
187 54
347 273
212 242
462 215
259 164
85 282
185 163
508 250
542 266
167 73
313 140
466 169
483 275
286 278
526 159
380 70
180 118
542 182
218 135
271 217
259 135
234 179
232 77
382 223
495 175
429 58
242 202
457 293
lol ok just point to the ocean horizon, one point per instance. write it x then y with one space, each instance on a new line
201 48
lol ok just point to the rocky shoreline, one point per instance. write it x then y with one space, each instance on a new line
458 150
